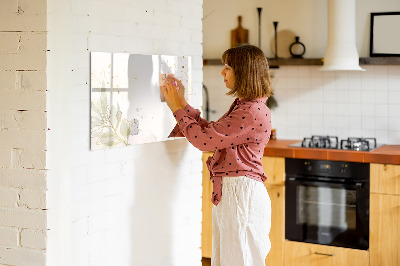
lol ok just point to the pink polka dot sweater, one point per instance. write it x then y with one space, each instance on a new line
238 139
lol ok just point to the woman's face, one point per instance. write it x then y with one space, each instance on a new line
229 76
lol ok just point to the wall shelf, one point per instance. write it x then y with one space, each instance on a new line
274 63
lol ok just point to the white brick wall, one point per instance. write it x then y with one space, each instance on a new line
23 132
138 205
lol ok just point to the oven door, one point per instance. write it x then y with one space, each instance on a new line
327 213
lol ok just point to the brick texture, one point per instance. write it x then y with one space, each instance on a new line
23 125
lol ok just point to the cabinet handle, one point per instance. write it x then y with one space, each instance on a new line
324 254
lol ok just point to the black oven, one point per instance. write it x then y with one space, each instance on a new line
327 202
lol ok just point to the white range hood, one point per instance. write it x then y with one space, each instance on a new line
341 51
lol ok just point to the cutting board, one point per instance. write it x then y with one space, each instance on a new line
239 35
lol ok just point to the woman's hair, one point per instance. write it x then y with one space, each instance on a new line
250 66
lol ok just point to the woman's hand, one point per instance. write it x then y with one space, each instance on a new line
172 96
181 90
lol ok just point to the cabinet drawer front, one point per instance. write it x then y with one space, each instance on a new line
297 253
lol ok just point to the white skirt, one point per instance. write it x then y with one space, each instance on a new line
241 223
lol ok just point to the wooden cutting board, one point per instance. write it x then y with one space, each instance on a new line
239 35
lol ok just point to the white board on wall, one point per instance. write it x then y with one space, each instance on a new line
127 105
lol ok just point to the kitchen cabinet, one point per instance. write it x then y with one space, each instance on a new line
305 254
274 168
385 178
385 215
206 225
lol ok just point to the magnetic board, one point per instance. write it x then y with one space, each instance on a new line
127 105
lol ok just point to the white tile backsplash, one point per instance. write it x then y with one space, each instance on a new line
343 103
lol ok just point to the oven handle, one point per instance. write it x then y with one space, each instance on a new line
357 185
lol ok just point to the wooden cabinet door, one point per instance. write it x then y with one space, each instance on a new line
385 178
384 236
277 233
206 226
304 254
274 168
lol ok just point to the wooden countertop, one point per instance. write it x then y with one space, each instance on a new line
389 154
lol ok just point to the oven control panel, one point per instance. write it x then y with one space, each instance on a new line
337 169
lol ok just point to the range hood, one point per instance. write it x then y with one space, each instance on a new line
341 51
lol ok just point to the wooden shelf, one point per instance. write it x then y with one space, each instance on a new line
380 61
273 63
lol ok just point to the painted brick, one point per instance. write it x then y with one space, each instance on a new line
36 7
8 197
9 42
33 199
23 218
23 178
24 22
8 6
33 120
33 159
9 237
22 100
30 80
35 140
5 159
32 61
33 239
16 256
7 80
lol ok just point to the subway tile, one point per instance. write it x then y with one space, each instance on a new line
355 96
381 123
368 122
380 84
381 110
291 71
394 110
304 72
342 122
292 82
394 97
394 137
329 109
394 83
355 109
355 122
355 132
380 71
367 96
380 97
394 123
367 133
342 96
382 136
394 71
367 109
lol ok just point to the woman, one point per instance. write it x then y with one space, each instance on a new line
242 208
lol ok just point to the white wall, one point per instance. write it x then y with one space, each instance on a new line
306 19
23 133
137 205
311 102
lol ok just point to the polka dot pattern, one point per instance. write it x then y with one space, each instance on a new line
238 139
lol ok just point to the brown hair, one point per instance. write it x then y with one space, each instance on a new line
250 66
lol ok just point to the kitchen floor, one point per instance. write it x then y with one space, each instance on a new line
206 261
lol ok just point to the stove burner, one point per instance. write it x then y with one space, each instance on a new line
328 142
332 142
358 144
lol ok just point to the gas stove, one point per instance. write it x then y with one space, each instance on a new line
332 142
